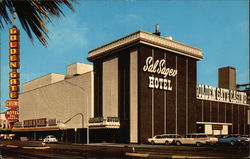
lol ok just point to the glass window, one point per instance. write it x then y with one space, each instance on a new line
200 128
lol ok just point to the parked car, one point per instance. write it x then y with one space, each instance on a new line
50 139
244 139
196 139
212 140
163 139
228 139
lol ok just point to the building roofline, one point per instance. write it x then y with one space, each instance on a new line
57 82
149 39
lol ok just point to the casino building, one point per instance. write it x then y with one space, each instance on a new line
142 85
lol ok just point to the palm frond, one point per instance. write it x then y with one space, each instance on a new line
33 14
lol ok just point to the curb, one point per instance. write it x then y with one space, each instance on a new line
35 148
26 147
136 154
12 146
146 155
176 156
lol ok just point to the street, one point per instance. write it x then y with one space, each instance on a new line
34 149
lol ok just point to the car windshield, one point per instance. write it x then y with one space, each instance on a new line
210 136
165 136
50 136
157 137
201 136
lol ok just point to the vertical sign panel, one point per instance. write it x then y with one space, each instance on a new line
12 114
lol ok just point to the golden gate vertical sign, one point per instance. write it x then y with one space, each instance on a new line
14 75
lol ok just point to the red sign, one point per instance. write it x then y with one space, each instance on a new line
14 63
12 115
12 103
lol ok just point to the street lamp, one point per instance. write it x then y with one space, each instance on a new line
81 113
72 118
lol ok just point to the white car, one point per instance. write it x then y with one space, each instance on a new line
50 139
196 139
163 139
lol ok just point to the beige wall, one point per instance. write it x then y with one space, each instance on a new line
110 88
43 81
133 97
61 100
78 68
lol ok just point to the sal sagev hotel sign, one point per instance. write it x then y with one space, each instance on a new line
159 67
220 94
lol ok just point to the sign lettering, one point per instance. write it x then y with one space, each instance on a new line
35 122
12 103
220 94
14 51
159 67
14 74
12 115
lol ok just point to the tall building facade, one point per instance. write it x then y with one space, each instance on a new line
149 83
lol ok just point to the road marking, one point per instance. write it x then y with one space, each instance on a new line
36 148
12 146
175 156
136 154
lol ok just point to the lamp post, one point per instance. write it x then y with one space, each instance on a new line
73 84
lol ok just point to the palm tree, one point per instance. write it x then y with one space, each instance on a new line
33 14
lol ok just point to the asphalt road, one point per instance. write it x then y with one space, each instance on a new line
17 149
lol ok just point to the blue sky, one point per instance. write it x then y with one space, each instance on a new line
219 27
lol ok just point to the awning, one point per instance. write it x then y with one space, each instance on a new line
49 128
213 123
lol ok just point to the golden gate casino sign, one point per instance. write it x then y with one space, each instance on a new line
13 75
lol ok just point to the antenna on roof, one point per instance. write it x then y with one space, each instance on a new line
157 30
14 17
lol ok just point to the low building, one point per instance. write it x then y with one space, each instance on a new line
57 104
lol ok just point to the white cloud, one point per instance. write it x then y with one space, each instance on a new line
128 18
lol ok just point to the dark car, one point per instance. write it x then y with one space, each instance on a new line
228 139
244 139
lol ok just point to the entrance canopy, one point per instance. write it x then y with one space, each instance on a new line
213 128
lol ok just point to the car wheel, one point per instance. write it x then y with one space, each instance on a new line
213 143
152 142
232 143
244 143
178 143
198 144
166 143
